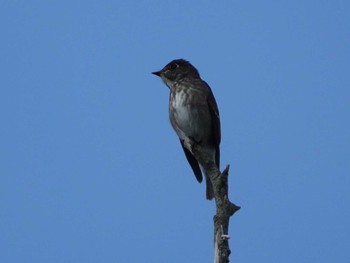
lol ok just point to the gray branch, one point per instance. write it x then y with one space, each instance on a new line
224 207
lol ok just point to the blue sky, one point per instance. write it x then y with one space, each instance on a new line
91 170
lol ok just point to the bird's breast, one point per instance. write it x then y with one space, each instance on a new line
188 115
181 108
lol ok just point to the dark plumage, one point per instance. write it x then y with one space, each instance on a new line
193 113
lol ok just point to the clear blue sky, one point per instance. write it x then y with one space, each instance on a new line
91 171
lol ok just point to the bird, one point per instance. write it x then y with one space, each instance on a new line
193 114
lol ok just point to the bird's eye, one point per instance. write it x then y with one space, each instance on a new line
173 66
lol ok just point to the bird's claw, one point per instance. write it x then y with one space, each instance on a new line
188 143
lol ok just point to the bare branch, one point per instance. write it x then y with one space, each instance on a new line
224 207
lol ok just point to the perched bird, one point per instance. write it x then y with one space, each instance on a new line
193 114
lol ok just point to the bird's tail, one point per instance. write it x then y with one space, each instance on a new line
210 190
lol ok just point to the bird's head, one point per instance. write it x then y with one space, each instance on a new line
177 70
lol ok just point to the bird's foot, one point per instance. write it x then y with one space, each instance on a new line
189 144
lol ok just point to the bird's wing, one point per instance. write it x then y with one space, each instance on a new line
193 162
216 129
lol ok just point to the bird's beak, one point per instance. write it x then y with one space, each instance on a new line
157 73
